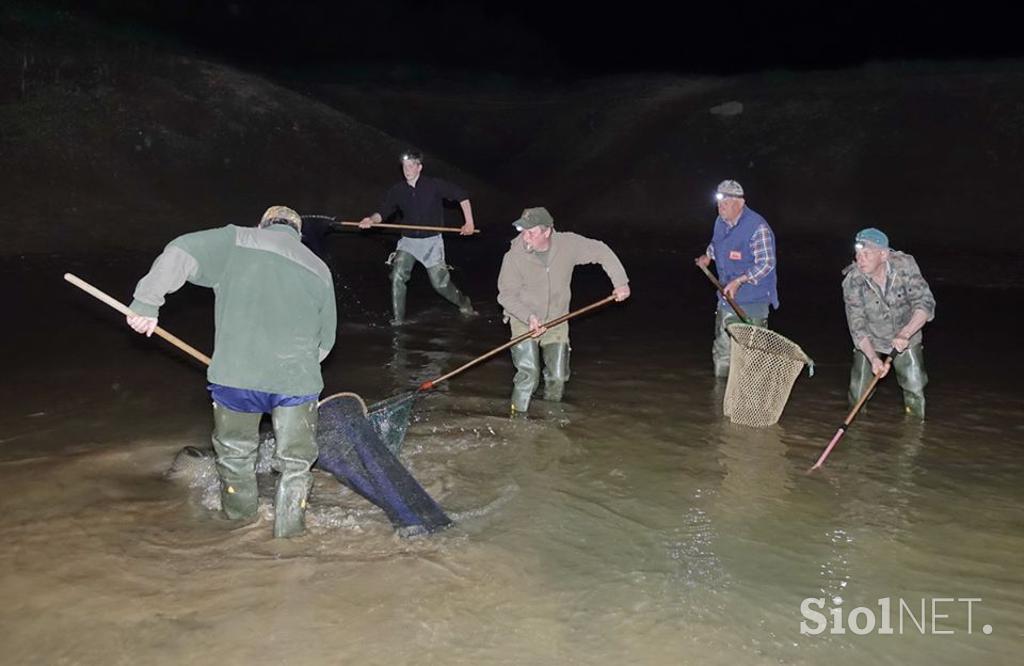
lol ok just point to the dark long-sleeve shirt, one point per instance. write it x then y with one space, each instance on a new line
421 205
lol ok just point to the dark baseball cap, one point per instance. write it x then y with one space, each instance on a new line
534 217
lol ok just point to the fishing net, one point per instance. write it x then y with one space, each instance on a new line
391 417
359 447
762 370
352 449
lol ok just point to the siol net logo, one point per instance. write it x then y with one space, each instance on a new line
898 616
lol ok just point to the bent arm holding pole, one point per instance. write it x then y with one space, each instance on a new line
123 309
729 299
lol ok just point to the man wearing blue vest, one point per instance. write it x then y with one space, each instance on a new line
743 249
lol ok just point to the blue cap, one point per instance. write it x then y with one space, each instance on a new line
873 236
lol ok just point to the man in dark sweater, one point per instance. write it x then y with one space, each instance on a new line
420 201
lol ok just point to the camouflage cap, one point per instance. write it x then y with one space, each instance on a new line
728 188
281 213
534 217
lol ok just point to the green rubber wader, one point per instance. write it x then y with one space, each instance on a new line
526 359
401 268
236 439
441 281
721 349
910 374
295 453
556 370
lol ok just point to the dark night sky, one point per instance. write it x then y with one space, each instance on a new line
532 38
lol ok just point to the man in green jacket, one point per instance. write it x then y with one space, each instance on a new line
887 302
274 321
534 287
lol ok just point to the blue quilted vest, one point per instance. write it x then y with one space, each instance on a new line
734 257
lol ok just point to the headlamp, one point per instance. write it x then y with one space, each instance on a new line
863 245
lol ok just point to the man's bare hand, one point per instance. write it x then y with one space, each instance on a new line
366 223
703 261
879 367
621 293
733 287
536 329
140 324
467 229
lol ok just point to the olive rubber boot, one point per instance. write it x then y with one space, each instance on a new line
556 370
295 453
441 280
860 377
236 438
401 268
721 349
912 378
526 359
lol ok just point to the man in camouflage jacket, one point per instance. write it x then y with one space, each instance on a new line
887 302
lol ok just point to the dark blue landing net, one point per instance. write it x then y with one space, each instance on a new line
354 451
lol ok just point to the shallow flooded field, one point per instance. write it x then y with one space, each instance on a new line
631 524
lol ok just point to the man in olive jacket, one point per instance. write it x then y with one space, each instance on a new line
534 287
275 321
887 302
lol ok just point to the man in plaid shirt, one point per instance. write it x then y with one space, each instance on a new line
743 249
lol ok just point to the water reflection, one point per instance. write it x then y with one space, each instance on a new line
418 355
756 473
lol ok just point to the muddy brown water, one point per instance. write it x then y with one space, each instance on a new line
630 525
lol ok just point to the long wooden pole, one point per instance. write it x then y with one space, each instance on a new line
514 341
123 309
718 285
852 415
410 227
